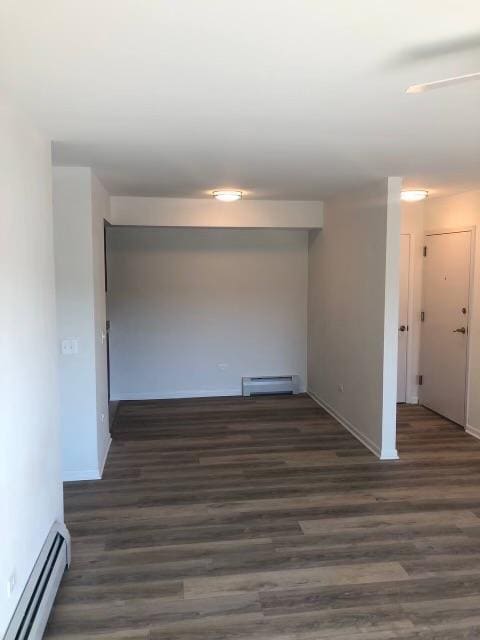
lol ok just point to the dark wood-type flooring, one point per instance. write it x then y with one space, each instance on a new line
263 519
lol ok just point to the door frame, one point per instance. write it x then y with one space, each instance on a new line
409 398
106 226
471 280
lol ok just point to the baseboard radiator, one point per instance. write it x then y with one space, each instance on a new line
31 615
266 385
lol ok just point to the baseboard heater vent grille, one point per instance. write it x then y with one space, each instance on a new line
31 615
266 385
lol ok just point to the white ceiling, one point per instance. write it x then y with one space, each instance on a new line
291 99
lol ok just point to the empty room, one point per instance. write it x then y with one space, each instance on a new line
240 320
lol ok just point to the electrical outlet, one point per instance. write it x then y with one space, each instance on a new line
340 388
222 366
69 346
102 417
11 585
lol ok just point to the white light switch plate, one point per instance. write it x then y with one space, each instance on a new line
69 346
11 585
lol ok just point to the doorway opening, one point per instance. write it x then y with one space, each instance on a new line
435 308
112 405
403 316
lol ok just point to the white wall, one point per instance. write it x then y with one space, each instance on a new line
80 203
353 312
182 302
454 212
391 310
207 212
30 485
75 302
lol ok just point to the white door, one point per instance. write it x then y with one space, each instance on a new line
403 318
444 347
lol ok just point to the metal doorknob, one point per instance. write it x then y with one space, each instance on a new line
402 328
461 330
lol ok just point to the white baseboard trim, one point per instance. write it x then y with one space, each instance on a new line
105 455
365 440
76 475
389 454
473 431
171 395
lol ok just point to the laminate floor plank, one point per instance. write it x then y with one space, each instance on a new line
263 519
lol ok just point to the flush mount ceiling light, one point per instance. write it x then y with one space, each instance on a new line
414 195
227 195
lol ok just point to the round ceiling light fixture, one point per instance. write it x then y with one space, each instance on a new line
414 195
227 195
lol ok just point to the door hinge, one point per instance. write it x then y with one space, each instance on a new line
422 316
425 251
420 381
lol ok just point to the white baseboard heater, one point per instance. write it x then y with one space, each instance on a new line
266 385
31 615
